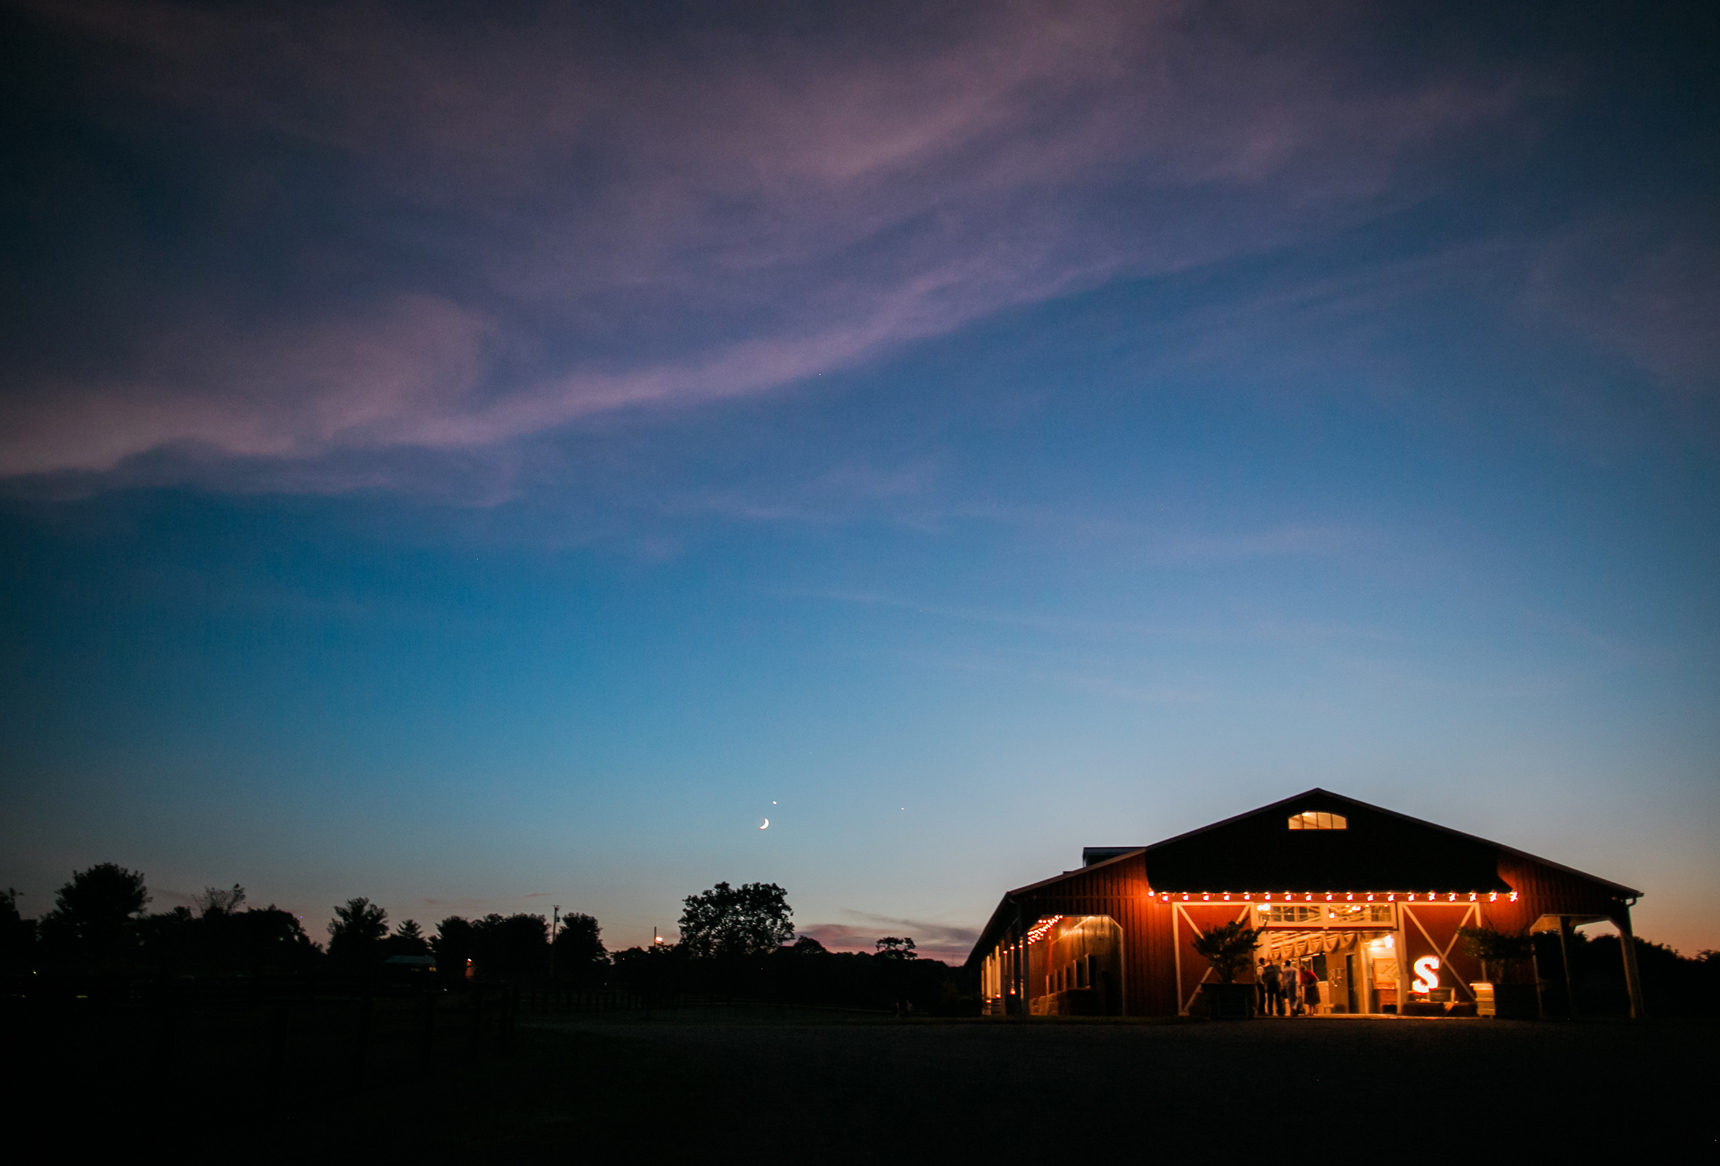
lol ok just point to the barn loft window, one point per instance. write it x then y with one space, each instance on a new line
1317 820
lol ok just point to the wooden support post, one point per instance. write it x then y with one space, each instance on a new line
1565 930
1540 984
1176 959
1400 946
1632 980
1017 960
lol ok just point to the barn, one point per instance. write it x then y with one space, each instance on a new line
1368 900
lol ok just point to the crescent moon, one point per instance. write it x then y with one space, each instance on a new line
766 825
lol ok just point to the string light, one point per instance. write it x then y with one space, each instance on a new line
1332 896
1038 931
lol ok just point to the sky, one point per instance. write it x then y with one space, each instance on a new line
492 460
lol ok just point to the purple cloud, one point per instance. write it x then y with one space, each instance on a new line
939 941
552 219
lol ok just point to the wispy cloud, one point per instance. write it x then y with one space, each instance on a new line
569 215
933 940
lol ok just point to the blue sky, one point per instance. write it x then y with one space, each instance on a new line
487 465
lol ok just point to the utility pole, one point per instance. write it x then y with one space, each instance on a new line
554 926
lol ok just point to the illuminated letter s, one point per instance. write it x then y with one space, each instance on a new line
1426 974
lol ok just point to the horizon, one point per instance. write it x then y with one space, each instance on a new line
482 463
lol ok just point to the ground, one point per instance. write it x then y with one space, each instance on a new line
847 1090
774 1084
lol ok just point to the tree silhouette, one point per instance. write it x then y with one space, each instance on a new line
736 921
579 947
454 944
269 939
105 896
501 947
892 948
17 934
512 947
214 901
94 921
408 939
223 941
356 931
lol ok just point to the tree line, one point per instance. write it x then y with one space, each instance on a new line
734 942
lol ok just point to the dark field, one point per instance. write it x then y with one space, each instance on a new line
768 1084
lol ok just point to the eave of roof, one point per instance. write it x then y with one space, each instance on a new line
999 916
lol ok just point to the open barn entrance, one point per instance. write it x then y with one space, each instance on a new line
1333 959
1330 957
1354 953
1332 972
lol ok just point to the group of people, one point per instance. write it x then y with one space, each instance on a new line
1286 989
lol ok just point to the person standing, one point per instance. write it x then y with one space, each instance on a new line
1260 986
1273 978
1310 984
1287 987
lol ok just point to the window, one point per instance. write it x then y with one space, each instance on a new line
1277 914
1360 913
1317 820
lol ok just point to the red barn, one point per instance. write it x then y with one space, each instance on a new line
1367 900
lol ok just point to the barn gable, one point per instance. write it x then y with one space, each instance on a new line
1322 841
